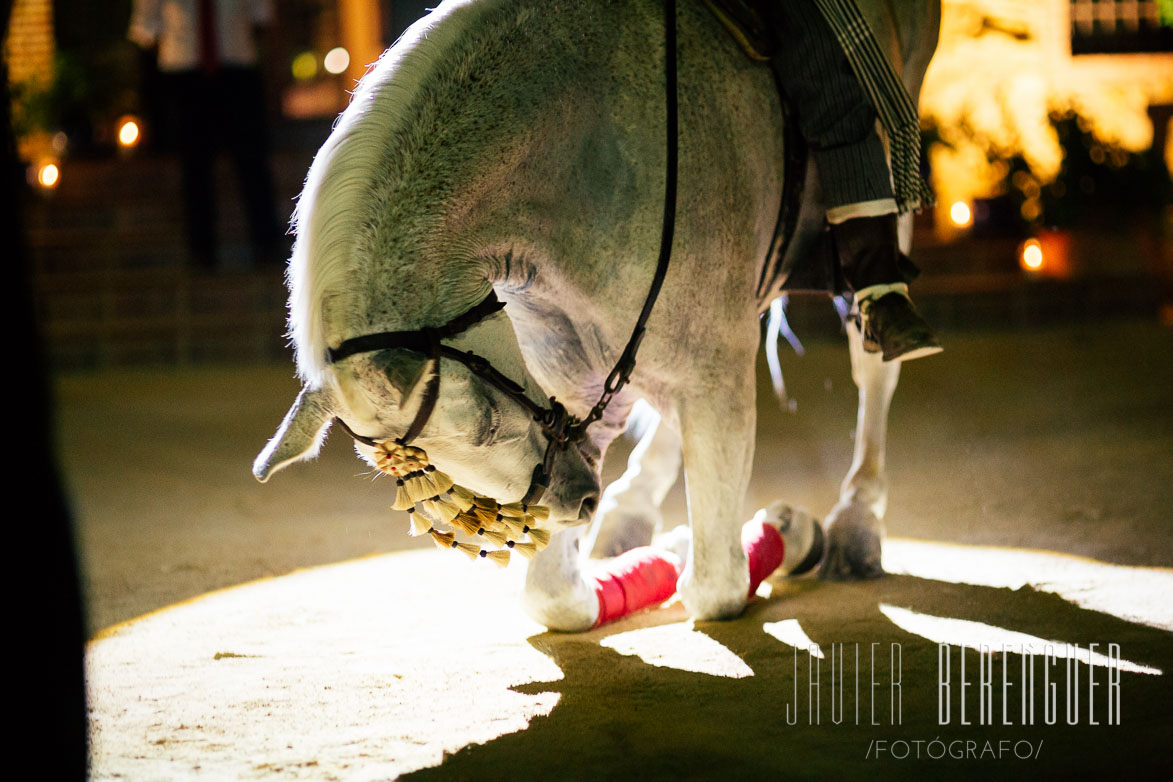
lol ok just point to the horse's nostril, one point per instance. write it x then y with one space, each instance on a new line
588 507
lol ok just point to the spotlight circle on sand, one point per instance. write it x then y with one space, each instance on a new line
377 667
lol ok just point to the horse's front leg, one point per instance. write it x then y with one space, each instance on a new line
855 526
630 509
562 597
717 426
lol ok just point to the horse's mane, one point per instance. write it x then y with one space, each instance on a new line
336 200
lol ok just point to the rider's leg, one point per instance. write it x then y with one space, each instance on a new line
838 122
879 274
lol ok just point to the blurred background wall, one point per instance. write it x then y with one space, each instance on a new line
1046 122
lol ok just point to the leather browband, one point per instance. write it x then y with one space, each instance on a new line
419 339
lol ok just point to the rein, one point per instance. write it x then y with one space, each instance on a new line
559 426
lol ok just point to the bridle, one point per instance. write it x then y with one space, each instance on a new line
560 428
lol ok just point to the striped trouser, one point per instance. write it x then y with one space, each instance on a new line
834 114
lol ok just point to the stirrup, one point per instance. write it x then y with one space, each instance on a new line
891 325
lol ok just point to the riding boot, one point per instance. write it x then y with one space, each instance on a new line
879 274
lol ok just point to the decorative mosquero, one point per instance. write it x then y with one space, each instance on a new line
431 498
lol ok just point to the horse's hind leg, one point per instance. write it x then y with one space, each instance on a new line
629 513
855 527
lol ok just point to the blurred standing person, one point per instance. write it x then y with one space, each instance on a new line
207 56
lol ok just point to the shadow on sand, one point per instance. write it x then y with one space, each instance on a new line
619 717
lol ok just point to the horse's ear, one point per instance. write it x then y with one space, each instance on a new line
300 435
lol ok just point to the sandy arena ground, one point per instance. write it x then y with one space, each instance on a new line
1059 440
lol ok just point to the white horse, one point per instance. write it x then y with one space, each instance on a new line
503 145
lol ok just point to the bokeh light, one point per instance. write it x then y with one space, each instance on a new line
960 214
129 133
48 175
1031 255
1007 108
305 66
337 60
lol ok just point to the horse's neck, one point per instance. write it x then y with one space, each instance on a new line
439 230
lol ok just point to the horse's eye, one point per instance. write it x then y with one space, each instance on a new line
490 427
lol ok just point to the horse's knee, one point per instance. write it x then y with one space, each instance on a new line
556 594
569 611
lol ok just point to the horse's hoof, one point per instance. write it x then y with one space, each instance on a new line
853 546
714 601
839 566
802 534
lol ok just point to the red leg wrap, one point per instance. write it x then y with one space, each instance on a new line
636 579
764 548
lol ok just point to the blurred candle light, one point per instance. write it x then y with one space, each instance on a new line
337 60
128 132
960 214
48 175
1031 255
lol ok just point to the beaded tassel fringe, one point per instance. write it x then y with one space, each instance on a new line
431 498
